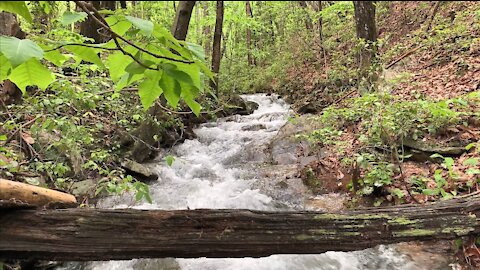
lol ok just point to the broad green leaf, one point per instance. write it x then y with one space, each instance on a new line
171 89
5 67
31 72
195 106
136 68
17 7
127 79
85 53
3 137
179 75
149 90
193 72
205 69
72 17
55 57
18 51
145 26
117 63
197 50
118 24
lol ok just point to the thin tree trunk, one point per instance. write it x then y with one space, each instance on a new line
366 30
308 20
89 28
182 19
206 31
123 4
435 10
216 47
248 11
119 234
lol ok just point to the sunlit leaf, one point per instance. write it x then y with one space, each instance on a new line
85 53
118 24
31 72
17 7
72 17
5 67
171 89
149 90
145 26
18 51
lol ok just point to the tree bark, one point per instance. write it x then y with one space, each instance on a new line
216 47
206 31
89 28
9 92
123 4
182 19
248 11
308 20
366 29
101 234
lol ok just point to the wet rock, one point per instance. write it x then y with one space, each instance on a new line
139 171
85 187
254 127
239 106
285 147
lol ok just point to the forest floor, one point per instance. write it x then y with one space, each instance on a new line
417 138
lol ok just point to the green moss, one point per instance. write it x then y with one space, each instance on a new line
350 217
402 221
458 231
413 232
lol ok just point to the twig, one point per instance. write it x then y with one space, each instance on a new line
402 57
97 17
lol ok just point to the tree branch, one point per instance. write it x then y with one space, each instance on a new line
97 17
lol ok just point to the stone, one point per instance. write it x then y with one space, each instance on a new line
139 171
85 187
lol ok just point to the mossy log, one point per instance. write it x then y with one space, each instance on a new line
101 234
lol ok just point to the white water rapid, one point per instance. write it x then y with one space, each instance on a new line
216 170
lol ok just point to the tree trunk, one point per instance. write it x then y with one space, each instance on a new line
182 19
89 28
216 47
366 30
119 234
308 20
206 31
248 11
9 92
123 4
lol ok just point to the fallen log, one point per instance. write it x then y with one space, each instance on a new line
103 234
20 195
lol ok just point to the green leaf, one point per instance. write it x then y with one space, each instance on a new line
171 89
118 24
436 156
3 137
197 50
5 67
127 79
31 73
169 160
430 192
136 68
18 51
55 57
146 27
471 162
149 90
17 7
72 17
470 146
85 53
117 63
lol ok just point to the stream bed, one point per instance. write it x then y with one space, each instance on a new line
220 169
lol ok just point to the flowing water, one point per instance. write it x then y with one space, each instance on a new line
212 171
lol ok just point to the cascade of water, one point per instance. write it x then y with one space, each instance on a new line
208 173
